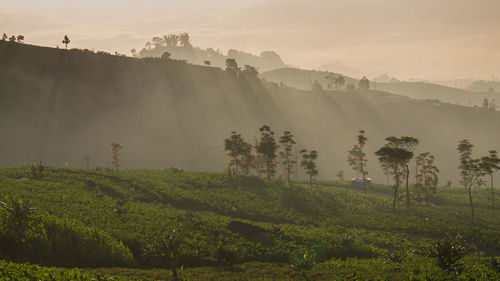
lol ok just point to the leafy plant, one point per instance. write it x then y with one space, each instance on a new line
448 252
303 259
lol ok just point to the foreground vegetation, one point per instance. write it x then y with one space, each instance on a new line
207 226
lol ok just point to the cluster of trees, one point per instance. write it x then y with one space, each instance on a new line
20 39
473 169
489 105
339 82
247 71
171 40
268 153
13 38
394 158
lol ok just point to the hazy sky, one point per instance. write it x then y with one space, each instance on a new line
428 39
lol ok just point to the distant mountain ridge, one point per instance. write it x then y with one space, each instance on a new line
302 79
485 86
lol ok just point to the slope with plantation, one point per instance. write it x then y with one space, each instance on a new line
58 105
120 223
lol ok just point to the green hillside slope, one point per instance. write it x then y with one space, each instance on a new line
137 211
58 105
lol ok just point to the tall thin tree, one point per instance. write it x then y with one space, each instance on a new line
470 170
362 157
491 164
266 148
287 142
309 163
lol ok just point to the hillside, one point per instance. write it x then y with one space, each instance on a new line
422 90
58 105
121 222
301 79
267 60
485 86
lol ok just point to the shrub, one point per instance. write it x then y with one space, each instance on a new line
448 253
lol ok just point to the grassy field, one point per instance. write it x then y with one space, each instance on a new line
122 225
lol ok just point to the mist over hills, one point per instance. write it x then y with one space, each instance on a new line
56 105
299 79
485 86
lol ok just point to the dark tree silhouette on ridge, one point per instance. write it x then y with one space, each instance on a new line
66 41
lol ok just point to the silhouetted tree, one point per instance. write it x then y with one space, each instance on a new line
465 153
339 82
409 144
4 37
427 176
470 170
490 165
240 153
66 41
364 83
232 66
115 155
148 46
171 40
287 142
247 158
362 157
250 73
266 148
353 158
309 164
12 38
396 157
20 38
134 52
184 39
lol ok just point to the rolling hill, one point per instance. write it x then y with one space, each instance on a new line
137 224
301 79
57 105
